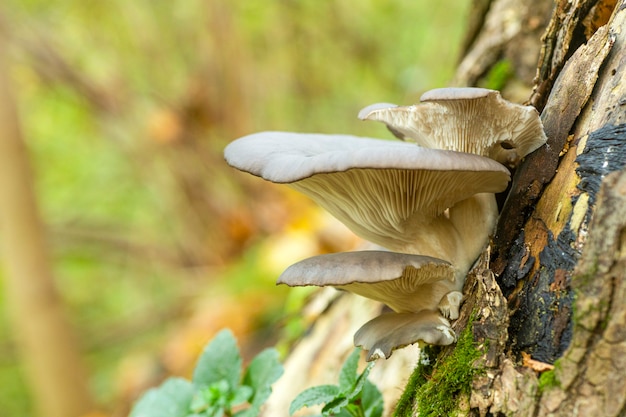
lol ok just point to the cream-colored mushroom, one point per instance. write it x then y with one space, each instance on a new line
400 196
414 286
435 208
404 282
472 120
387 332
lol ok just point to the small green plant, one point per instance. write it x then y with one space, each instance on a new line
355 396
217 388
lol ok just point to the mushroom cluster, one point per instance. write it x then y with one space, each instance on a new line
431 205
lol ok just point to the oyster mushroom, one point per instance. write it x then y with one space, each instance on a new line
472 120
397 195
404 282
433 208
388 332
414 286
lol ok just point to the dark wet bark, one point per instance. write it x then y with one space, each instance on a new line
558 255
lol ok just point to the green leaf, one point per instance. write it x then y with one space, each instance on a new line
262 372
217 391
371 400
335 406
315 395
355 395
360 381
199 402
220 360
214 412
171 399
243 394
215 395
348 373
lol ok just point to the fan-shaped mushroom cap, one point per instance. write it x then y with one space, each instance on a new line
404 282
385 333
365 111
384 191
472 120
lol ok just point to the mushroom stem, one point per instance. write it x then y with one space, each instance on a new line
459 236
474 219
439 238
449 305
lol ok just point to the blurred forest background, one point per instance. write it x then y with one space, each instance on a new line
126 106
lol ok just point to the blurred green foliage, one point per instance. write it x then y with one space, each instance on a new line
126 107
354 396
218 386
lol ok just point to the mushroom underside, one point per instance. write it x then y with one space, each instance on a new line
389 207
435 199
477 122
388 332
404 282
402 295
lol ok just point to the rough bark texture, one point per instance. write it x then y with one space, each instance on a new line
552 287
589 378
561 304
535 273
503 36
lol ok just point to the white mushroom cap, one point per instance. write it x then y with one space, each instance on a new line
387 192
365 111
385 333
472 120
404 282
456 93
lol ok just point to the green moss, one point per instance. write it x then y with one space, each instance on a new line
436 389
548 379
418 378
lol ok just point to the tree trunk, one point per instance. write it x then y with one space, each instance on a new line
558 254
545 304
44 339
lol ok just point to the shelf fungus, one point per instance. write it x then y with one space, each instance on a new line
399 280
431 205
397 195
404 282
387 332
472 120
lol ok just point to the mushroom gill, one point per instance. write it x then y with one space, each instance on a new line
404 282
433 205
470 120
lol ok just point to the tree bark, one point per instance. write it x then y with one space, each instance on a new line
558 252
550 290
45 342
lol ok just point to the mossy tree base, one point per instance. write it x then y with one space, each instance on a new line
558 252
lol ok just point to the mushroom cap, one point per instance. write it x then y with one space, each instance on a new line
472 120
456 93
388 332
402 281
365 111
382 190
